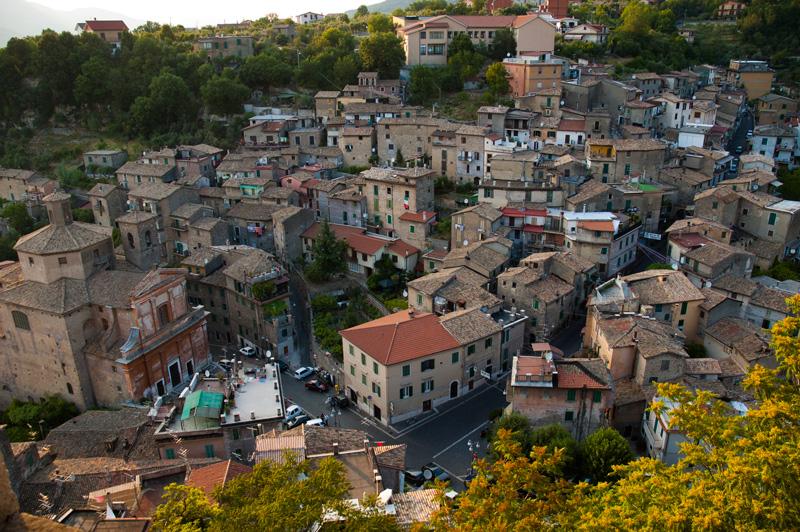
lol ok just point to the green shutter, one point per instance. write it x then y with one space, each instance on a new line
570 395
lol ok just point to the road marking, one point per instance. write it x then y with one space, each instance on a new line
459 440
469 398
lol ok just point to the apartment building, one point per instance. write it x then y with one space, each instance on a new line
426 41
766 225
358 145
458 152
487 257
393 192
755 77
474 224
220 46
667 296
161 199
606 239
364 249
616 160
500 193
134 174
705 260
24 185
410 362
650 83
411 137
776 142
775 109
548 287
575 393
108 202
100 161
530 74
450 290
96 335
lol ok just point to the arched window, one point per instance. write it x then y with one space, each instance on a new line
147 240
20 320
130 241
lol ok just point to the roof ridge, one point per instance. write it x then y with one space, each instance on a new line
391 342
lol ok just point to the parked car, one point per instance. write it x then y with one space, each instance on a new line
296 422
247 351
317 385
414 478
303 373
739 149
339 401
749 133
292 412
433 471
316 422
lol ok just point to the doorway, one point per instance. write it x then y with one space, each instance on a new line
426 405
353 395
175 373
453 389
376 412
190 367
160 390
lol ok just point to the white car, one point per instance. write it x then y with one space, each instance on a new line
247 351
303 373
292 412
316 422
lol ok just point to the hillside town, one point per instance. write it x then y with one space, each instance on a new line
376 280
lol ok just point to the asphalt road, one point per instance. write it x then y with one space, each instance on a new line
739 138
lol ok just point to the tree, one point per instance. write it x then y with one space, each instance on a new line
184 508
659 266
515 492
517 426
24 417
460 43
503 45
380 23
18 218
224 96
399 160
422 84
168 106
382 53
497 79
362 11
737 471
328 255
602 450
264 71
555 437
83 215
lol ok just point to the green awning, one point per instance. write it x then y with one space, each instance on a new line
202 404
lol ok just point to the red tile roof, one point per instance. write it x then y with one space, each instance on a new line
571 124
106 25
402 249
533 228
421 217
595 225
209 477
355 237
400 337
575 376
688 240
516 213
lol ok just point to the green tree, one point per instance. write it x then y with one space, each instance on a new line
24 417
497 79
168 106
225 96
461 43
185 509
83 215
328 255
422 85
264 71
380 23
382 53
503 45
362 11
554 437
517 426
399 160
602 450
18 218
659 266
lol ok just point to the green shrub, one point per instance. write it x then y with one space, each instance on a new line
396 303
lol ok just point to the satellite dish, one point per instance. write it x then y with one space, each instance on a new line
269 353
405 293
207 374
466 242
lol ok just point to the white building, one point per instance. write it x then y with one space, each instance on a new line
777 142
309 17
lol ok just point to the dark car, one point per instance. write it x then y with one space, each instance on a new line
297 421
414 478
338 401
434 471
317 385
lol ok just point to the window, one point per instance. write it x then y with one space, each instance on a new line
376 389
69 389
375 368
684 306
570 395
411 229
419 299
436 49
209 450
714 205
406 370
427 386
772 218
169 454
364 379
568 415
471 350
163 314
604 251
352 370
487 343
765 324
596 396
665 365
130 241
363 359
680 324
350 349
659 307
627 169
388 218
535 304
62 260
406 391
427 365
20 320
454 357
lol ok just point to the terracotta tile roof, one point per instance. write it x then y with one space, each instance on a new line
589 373
415 506
714 253
484 210
550 288
713 298
701 366
260 212
106 25
735 333
402 248
402 336
470 325
694 224
59 297
52 239
658 287
571 124
209 477
419 217
436 254
771 299
355 237
113 288
735 284
597 225
651 337
588 191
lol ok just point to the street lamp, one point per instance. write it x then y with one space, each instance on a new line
473 447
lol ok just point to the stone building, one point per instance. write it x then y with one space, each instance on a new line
392 192
109 202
